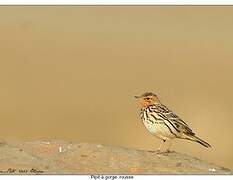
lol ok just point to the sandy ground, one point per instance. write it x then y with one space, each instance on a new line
59 157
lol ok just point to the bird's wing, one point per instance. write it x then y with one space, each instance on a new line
175 120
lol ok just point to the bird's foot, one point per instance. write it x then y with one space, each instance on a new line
167 151
156 151
163 152
151 151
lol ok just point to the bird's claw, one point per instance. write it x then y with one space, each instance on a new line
163 152
151 151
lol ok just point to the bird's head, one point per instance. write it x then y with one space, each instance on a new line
147 99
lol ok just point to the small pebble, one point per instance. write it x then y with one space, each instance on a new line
212 170
99 146
60 149
83 155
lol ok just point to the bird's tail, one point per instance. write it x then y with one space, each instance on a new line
198 140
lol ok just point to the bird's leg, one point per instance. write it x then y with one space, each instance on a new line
161 146
159 150
169 146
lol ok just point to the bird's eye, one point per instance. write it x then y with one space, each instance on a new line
147 99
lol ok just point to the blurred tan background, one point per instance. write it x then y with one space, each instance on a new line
70 73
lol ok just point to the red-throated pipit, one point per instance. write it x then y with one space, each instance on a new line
163 123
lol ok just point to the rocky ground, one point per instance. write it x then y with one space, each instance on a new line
58 157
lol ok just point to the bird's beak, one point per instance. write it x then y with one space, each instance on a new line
137 97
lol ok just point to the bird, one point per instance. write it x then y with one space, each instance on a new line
163 123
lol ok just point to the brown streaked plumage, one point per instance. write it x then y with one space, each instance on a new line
162 122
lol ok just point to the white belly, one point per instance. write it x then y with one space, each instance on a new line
159 130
